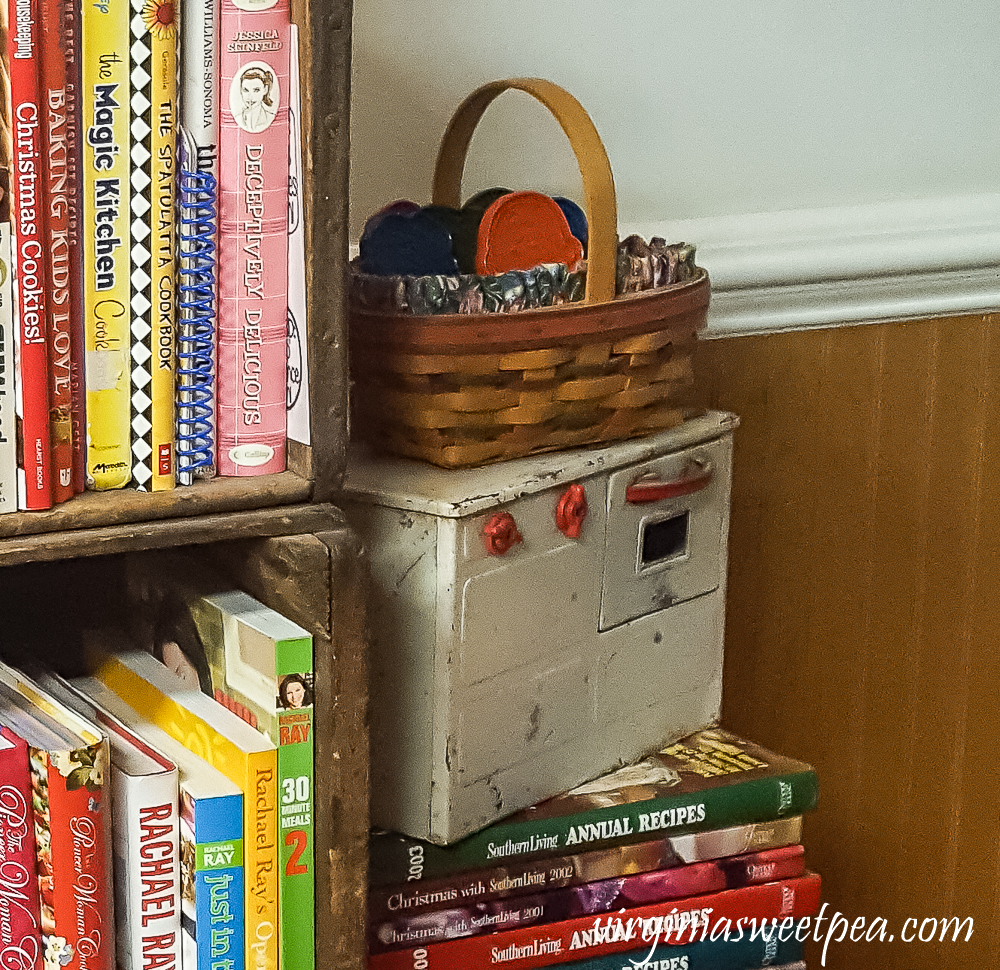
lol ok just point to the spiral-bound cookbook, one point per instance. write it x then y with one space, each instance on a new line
198 156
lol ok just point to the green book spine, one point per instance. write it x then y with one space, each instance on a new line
258 664
261 666
296 881
707 781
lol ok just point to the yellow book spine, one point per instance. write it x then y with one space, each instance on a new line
163 252
256 773
105 231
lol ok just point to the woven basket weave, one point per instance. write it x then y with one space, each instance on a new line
460 390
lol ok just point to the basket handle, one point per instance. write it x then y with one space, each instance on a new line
595 169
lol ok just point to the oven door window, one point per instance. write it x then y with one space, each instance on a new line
664 551
664 540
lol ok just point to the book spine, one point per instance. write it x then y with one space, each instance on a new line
753 800
8 416
197 305
297 876
575 868
20 912
675 921
153 278
105 232
38 769
76 881
30 258
298 329
198 159
72 48
164 140
218 882
198 162
253 213
260 816
766 949
602 896
147 871
255 772
57 197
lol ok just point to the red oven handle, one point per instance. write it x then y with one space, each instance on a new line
651 488
501 534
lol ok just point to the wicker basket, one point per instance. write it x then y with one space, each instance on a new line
460 390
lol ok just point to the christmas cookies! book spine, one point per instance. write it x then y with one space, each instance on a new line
30 260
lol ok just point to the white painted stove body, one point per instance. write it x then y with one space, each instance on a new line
499 679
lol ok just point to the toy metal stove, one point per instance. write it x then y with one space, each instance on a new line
537 622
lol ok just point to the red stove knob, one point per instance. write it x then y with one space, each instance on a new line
500 533
571 511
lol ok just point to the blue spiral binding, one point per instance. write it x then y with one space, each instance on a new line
196 413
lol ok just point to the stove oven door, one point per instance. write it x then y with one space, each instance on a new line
666 531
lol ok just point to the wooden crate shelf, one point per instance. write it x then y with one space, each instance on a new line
274 534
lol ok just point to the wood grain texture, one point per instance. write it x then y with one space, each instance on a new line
326 82
163 534
345 878
96 509
864 594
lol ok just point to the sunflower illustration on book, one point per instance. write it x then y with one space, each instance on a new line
158 16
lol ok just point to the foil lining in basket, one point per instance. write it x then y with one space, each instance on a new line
640 266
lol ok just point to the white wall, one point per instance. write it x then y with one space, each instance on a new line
727 123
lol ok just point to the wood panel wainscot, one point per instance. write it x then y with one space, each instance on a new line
864 603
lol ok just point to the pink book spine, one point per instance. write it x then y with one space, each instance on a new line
253 237
20 909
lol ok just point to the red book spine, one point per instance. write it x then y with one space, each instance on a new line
674 921
601 896
71 48
253 232
56 142
30 255
81 861
20 913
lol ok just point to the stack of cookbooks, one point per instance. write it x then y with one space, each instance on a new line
690 859
155 817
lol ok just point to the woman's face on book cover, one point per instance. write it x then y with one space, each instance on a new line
294 694
252 90
175 659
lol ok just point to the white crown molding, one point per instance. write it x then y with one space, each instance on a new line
858 264
882 262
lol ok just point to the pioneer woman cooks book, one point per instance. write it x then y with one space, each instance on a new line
69 763
20 910
145 845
